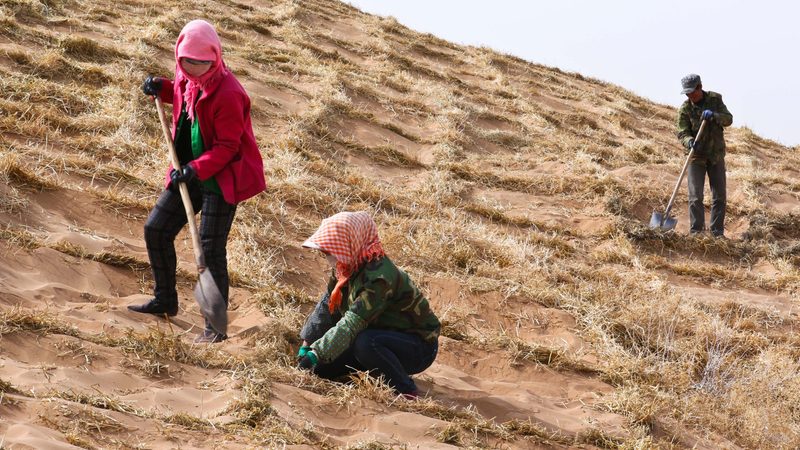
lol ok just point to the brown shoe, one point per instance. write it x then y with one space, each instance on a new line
156 306
210 337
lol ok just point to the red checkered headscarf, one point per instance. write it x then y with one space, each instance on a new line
352 238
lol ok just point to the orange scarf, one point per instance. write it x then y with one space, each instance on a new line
352 238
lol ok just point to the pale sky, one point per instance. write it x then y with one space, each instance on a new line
745 50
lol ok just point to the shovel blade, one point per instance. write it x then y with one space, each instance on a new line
213 306
657 220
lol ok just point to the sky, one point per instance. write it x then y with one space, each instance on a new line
745 50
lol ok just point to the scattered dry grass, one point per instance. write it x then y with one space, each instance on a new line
13 201
85 49
18 319
98 400
110 258
13 171
723 369
6 388
188 421
77 349
94 422
158 345
20 238
383 154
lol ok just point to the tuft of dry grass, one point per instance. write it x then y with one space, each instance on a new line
117 260
382 154
158 346
86 49
77 349
6 388
41 321
121 201
257 418
150 367
13 201
188 421
110 258
20 238
92 421
52 65
98 400
13 171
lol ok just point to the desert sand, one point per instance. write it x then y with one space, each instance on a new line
517 195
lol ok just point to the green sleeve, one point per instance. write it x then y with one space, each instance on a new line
372 300
684 127
339 338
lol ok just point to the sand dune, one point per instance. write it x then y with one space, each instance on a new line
517 195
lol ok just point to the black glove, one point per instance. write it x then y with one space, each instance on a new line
308 361
185 175
152 85
689 146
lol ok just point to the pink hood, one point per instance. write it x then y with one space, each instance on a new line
198 40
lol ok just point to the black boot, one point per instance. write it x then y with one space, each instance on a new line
156 306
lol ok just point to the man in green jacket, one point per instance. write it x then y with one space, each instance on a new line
709 152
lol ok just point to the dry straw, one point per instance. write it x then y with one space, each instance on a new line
74 125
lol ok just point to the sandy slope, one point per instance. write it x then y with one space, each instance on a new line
542 170
92 297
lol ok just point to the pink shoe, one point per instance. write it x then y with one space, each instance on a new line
209 337
410 396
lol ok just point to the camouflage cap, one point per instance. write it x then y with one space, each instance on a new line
690 82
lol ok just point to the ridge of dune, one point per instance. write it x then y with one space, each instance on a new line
516 194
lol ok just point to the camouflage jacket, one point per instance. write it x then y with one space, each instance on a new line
379 296
712 143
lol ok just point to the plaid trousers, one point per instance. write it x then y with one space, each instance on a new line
167 219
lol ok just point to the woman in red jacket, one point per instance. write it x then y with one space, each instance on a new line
220 163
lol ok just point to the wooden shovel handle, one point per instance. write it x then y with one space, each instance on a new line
187 201
683 171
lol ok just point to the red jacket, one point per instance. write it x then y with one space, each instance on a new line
231 154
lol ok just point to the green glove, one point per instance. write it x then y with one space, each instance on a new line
303 350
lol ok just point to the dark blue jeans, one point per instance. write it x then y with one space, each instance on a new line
394 354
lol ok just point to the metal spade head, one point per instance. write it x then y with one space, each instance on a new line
657 220
213 306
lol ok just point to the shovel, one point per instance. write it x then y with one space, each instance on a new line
664 221
206 292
